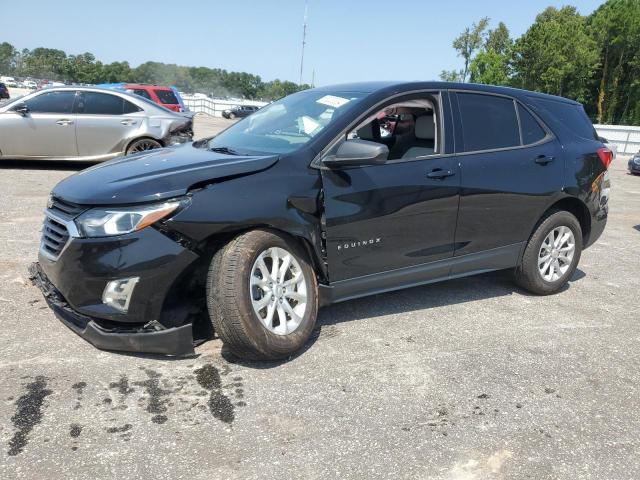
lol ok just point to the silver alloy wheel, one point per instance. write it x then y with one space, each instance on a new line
143 146
556 253
278 290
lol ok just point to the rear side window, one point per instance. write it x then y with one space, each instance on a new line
167 96
532 132
142 93
94 103
130 108
488 122
570 115
52 102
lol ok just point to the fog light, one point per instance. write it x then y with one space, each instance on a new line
117 293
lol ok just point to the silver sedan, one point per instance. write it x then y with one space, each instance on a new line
86 124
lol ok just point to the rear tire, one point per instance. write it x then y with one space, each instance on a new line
259 315
551 255
142 145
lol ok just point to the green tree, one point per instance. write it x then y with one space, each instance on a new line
615 26
490 67
556 55
8 58
452 75
468 42
499 39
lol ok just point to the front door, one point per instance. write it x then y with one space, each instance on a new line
48 130
402 213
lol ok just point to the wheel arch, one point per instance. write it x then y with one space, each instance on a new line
216 241
142 137
576 207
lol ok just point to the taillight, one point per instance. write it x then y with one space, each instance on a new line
606 156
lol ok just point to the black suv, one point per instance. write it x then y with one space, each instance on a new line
326 195
239 111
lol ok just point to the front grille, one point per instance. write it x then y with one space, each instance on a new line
54 236
55 233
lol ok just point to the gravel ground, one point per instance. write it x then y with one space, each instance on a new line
467 379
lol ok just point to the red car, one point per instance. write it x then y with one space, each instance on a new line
165 96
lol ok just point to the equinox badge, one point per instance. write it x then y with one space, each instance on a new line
361 243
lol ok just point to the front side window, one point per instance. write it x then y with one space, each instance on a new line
94 103
409 128
288 124
488 122
52 102
167 97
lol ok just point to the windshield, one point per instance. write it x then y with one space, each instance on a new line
285 125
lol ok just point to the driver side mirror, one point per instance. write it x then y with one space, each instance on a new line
21 109
358 152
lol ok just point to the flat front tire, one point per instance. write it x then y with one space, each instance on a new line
262 295
551 255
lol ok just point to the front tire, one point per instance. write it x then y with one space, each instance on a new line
551 255
262 296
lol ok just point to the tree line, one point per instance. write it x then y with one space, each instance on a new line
54 64
594 59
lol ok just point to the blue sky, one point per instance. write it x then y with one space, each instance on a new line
347 40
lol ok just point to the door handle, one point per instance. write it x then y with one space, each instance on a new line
128 123
64 121
544 159
438 173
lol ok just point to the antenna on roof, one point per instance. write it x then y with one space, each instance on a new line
304 38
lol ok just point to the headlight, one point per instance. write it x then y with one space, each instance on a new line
106 222
636 160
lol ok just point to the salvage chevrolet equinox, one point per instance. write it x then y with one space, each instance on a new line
326 195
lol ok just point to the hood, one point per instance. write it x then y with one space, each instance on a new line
157 175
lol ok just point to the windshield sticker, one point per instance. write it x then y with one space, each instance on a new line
332 101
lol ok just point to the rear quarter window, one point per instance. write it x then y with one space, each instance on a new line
166 96
569 115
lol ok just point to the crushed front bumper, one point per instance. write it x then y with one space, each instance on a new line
169 341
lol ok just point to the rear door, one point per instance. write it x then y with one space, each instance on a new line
105 123
48 130
511 170
400 214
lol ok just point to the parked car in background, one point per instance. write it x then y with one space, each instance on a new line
88 124
4 92
239 111
634 164
168 97
305 203
9 81
30 84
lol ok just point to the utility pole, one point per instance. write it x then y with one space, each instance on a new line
304 38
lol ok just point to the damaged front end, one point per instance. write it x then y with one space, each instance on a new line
151 337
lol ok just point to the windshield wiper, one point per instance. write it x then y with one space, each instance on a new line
226 150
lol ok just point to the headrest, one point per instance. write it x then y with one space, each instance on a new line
425 127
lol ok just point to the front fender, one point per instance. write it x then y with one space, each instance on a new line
280 198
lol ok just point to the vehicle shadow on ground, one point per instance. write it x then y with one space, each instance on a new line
43 165
637 227
451 292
